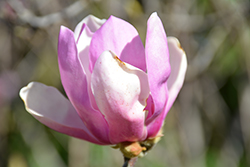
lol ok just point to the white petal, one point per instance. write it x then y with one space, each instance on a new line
178 62
120 91
51 108
92 22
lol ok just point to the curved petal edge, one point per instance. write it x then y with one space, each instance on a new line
52 109
178 62
158 66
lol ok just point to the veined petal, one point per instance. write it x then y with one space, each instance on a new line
122 39
158 67
178 62
75 84
92 22
120 91
52 109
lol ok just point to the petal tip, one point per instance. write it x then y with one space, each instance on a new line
154 14
111 17
176 42
24 96
62 28
24 90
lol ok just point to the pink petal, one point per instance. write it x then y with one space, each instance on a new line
75 84
150 108
83 50
158 67
122 39
91 21
49 106
178 62
120 92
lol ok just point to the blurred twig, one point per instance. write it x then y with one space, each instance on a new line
206 54
27 16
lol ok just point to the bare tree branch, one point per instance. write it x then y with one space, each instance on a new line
27 16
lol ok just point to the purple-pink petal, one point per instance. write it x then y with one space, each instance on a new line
178 63
122 39
158 67
75 84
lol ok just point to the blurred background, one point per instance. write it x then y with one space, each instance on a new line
209 124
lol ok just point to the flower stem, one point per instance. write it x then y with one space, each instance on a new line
129 162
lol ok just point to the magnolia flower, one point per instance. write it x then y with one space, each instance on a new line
119 91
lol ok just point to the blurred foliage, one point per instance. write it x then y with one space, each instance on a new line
208 124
